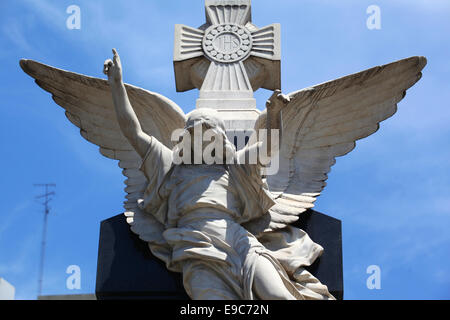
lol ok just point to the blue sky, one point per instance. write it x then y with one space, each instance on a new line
392 193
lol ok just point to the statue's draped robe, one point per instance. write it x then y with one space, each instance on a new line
202 208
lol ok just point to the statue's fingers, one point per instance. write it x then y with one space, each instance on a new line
275 94
116 56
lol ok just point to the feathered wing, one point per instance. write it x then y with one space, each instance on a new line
89 106
324 122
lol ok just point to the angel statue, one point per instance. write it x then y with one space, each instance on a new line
226 226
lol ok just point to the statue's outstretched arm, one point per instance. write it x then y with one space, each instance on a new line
268 144
128 121
274 107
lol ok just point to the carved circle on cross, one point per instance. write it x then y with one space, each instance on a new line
227 43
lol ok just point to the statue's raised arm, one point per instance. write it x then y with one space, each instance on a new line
128 121
268 144
89 105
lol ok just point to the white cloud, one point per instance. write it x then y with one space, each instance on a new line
14 216
21 262
14 33
49 13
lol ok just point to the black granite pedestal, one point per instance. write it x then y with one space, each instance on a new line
126 269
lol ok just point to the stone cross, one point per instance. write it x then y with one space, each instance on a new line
227 59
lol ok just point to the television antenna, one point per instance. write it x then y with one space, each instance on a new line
47 197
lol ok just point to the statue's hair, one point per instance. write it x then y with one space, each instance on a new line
205 115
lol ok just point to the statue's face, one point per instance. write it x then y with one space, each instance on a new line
206 127
201 136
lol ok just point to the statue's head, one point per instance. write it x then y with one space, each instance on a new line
210 124
209 118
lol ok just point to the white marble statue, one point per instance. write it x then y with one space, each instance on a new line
226 226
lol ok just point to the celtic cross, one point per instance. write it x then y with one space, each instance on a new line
227 59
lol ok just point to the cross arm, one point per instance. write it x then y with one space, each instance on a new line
187 51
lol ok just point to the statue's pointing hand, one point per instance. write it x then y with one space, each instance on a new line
113 68
277 102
